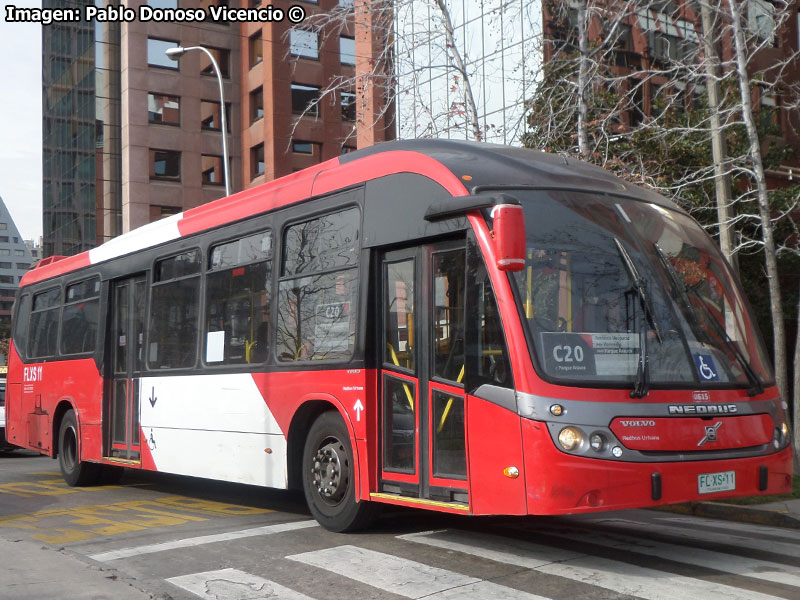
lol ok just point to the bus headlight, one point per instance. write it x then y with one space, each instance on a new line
780 435
570 438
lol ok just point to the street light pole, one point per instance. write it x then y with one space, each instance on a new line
175 54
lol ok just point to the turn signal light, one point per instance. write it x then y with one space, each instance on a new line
511 472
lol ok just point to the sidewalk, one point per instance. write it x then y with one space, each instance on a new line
775 514
35 571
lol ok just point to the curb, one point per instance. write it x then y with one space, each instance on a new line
734 512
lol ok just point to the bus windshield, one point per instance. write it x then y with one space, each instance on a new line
623 292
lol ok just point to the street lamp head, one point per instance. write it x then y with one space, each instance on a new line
176 53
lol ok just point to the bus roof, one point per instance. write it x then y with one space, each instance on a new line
461 167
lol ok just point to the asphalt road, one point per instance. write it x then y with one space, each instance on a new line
184 538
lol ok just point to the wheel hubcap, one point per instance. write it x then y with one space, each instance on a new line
330 471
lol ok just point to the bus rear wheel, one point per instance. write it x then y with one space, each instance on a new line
328 481
75 471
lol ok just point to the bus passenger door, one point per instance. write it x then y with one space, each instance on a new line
423 448
128 297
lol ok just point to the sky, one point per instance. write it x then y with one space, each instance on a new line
21 121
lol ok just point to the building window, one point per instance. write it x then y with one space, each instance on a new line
348 106
305 100
165 164
256 104
156 53
299 147
223 58
5 252
256 161
163 109
205 4
212 169
769 114
4 238
761 19
163 3
5 265
23 265
304 43
347 50
346 149
19 252
210 117
3 226
347 3
161 212
256 50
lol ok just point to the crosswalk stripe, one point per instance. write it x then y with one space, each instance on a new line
620 577
199 541
406 577
692 534
232 584
694 522
719 561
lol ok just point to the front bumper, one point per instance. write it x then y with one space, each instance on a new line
559 483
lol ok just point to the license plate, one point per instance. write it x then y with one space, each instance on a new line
708 483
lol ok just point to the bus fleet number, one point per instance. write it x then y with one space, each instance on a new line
568 354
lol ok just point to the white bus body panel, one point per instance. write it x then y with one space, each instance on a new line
213 426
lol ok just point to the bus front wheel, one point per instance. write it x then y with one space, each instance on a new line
75 471
328 481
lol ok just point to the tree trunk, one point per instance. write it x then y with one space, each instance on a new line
469 98
796 395
583 109
722 181
767 235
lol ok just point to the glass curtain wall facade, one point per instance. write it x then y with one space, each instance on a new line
81 133
500 46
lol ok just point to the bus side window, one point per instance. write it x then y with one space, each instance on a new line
317 293
174 312
44 324
21 321
80 317
487 353
238 289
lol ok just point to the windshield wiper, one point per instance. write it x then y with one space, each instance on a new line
640 387
683 289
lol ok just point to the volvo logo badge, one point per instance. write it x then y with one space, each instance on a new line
711 434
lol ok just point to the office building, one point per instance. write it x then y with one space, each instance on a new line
131 136
15 259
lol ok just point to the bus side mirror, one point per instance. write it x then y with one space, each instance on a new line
509 237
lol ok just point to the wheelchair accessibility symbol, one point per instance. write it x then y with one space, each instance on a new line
706 368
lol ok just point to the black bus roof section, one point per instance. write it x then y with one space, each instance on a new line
484 167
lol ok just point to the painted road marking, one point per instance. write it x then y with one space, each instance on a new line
406 577
613 575
738 541
761 530
728 563
201 540
234 584
58 526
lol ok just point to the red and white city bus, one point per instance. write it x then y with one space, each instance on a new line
462 327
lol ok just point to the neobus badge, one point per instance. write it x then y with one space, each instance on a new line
711 409
32 374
